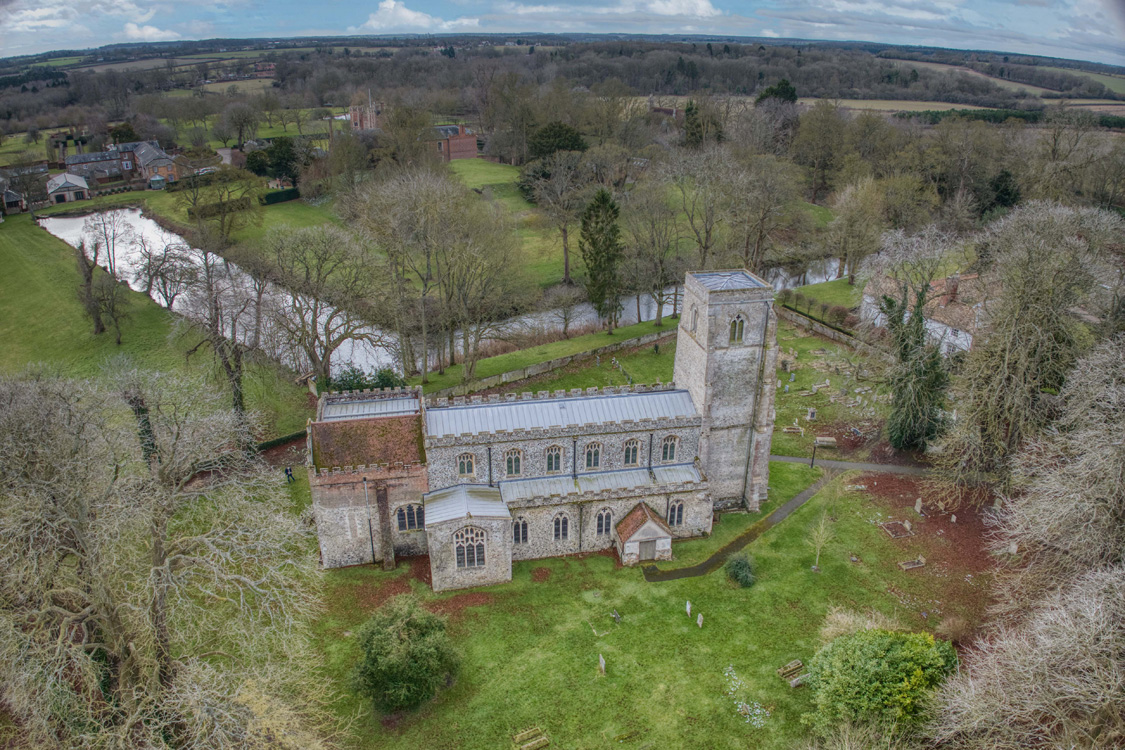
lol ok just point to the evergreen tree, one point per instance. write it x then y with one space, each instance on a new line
602 249
919 377
782 90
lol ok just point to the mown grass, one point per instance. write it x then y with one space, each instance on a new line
833 293
42 323
649 364
530 649
542 353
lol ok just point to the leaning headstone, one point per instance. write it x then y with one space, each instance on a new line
601 664
699 620
689 609
918 506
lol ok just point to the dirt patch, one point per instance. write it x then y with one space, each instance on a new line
287 454
419 568
374 594
539 575
456 605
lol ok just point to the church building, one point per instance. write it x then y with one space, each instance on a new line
478 482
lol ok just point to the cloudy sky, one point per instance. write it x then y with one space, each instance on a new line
1083 29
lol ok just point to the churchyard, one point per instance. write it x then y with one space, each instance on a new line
531 648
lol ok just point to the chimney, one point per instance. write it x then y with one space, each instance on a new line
952 286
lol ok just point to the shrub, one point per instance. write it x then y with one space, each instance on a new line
352 378
876 676
823 306
740 569
406 656
785 296
799 300
837 314
280 196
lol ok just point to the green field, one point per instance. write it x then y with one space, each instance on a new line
530 647
59 62
1001 82
1114 83
42 323
838 292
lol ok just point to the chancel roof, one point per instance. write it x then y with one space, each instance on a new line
464 501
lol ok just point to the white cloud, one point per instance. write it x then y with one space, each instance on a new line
148 33
393 15
682 8
692 8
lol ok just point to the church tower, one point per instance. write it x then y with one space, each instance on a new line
726 355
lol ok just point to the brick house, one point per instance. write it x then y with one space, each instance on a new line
455 142
66 187
478 483
365 116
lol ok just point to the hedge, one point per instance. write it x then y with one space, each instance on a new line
282 440
208 210
280 196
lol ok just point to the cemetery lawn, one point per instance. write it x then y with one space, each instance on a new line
530 651
542 353
42 323
647 364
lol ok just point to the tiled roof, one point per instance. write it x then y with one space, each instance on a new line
477 419
464 501
724 280
356 442
955 309
635 519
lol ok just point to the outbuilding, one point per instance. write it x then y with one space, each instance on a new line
65 187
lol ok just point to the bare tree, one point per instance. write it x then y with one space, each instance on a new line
855 232
112 232
111 297
561 304
326 274
702 181
562 197
127 574
762 201
820 534
652 244
165 268
87 255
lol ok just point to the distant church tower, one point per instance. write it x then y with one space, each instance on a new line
726 355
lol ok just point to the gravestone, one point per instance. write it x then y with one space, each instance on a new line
601 664
616 617
792 376
699 620
953 519
787 388
811 416
918 506
689 609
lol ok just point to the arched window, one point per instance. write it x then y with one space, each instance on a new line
593 455
694 318
468 545
519 531
512 461
410 517
676 513
668 448
736 327
562 528
466 465
632 451
604 522
554 459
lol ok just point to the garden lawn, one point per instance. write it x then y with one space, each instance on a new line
530 649
543 353
42 322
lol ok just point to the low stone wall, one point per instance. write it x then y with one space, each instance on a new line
816 326
539 368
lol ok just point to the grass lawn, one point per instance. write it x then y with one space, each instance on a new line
644 365
530 647
41 321
543 353
838 292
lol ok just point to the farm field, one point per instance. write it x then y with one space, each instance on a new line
42 324
893 105
1112 82
251 87
530 647
1010 85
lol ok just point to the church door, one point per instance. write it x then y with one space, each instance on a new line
648 550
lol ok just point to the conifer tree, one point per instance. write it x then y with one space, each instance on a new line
601 247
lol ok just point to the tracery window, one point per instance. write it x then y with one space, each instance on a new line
736 327
604 522
554 459
562 528
512 461
410 517
593 455
468 545
676 513
466 465
519 531
668 448
632 452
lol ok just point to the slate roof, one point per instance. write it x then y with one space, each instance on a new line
91 157
597 481
718 281
637 518
464 501
477 419
146 154
448 131
66 180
